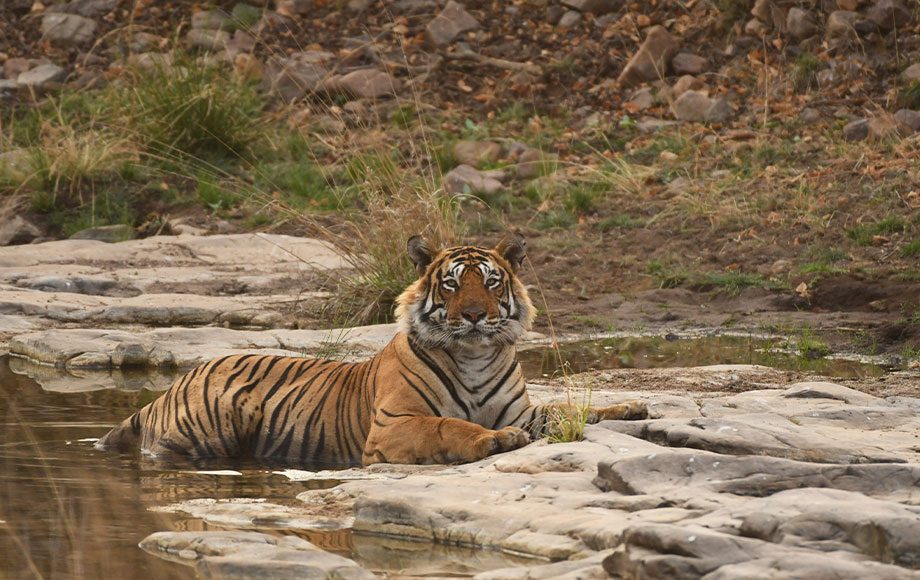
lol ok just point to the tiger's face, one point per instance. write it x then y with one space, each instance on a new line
466 296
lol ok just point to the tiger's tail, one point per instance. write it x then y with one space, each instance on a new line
126 435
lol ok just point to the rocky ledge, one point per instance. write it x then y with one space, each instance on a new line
812 480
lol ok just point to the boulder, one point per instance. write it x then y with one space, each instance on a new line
292 79
800 24
214 19
885 127
13 67
911 74
841 24
651 61
686 83
17 230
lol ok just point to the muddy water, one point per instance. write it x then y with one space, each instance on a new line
68 511
660 352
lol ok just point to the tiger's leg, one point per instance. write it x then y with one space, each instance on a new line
535 422
412 439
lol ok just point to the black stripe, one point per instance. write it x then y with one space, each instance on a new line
501 383
434 409
514 399
442 376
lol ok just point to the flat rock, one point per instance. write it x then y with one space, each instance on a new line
184 348
221 554
42 76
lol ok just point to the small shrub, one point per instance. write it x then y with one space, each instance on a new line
555 219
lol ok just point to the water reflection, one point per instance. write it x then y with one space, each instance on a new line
661 352
69 511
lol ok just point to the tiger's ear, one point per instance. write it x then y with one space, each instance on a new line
420 253
513 248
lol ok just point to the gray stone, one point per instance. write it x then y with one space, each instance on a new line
594 6
911 74
292 80
569 19
17 230
691 106
810 115
885 127
130 354
452 21
8 87
113 233
856 130
364 84
205 39
535 163
841 24
719 111
686 83
686 63
800 24
293 7
213 19
651 60
642 98
87 8
42 77
756 28
68 29
473 153
888 14
465 179
13 67
909 118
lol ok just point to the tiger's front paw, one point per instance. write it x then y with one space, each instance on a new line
502 440
627 410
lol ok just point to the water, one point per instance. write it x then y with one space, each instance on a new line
69 511
659 352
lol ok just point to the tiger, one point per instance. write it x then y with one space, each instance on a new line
447 389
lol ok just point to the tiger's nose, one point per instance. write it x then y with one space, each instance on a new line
474 314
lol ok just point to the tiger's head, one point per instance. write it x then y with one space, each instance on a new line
466 296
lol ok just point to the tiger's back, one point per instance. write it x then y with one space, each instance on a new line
296 409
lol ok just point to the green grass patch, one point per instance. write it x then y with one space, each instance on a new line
862 234
911 249
733 282
620 220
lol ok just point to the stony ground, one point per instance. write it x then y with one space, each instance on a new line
765 144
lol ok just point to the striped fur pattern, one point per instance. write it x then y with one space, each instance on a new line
448 388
